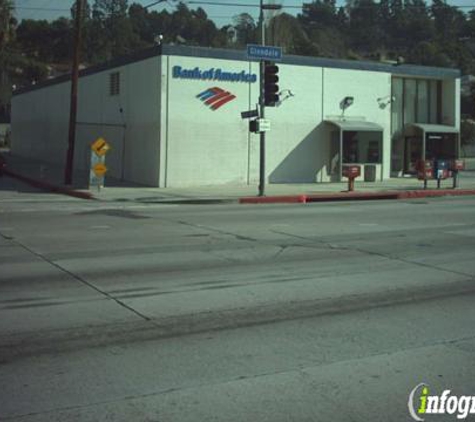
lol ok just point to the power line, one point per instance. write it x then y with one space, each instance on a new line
42 9
250 5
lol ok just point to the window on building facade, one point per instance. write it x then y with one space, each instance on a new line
410 98
414 101
114 83
397 105
422 101
434 101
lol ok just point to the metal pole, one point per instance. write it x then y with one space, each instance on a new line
68 171
262 154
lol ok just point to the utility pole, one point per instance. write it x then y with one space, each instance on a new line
262 99
262 149
68 171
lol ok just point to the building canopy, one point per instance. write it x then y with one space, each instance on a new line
432 128
355 125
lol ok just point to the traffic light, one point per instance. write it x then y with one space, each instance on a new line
271 89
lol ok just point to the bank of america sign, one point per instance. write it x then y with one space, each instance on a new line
215 97
213 75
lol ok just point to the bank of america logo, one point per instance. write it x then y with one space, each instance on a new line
215 97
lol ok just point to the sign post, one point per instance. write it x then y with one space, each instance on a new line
263 53
99 150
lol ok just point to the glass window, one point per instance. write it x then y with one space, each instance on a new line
396 106
422 101
433 102
410 92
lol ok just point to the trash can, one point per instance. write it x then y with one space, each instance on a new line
370 173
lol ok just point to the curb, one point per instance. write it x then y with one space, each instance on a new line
49 186
435 193
355 196
285 199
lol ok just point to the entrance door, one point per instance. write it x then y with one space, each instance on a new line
334 163
412 153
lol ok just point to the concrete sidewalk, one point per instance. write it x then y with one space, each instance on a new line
50 177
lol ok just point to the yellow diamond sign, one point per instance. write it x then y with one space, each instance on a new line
100 147
99 169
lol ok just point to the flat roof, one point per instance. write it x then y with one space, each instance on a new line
241 55
433 128
356 125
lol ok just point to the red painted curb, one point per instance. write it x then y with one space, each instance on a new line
351 196
288 199
355 196
435 193
48 186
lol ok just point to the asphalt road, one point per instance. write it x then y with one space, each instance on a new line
151 312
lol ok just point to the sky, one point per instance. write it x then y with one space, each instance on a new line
221 15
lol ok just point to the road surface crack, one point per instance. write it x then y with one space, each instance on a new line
374 253
80 279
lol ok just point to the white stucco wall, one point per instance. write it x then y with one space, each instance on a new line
40 122
365 87
295 144
201 145
163 135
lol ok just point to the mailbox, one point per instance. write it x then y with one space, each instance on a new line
457 165
351 171
441 169
425 169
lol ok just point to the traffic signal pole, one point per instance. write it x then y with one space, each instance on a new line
262 149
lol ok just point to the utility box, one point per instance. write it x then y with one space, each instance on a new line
370 173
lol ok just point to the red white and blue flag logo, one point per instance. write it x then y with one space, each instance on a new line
215 97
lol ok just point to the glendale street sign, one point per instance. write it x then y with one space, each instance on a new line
263 52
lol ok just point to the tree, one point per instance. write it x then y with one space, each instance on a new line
245 29
286 31
364 30
111 32
320 13
141 23
7 33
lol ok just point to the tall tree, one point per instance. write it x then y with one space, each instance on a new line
245 29
7 32
320 13
364 29
111 29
